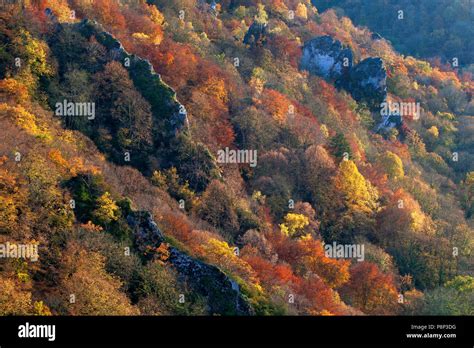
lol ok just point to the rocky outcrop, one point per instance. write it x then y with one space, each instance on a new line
256 34
165 107
222 293
368 82
327 58
390 121
145 233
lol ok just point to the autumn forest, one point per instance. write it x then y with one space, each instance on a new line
236 157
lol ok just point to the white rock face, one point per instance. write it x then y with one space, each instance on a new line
326 57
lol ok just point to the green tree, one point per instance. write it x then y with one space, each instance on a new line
340 147
76 87
455 298
124 115
194 162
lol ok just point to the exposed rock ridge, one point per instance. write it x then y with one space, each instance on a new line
160 95
222 293
328 58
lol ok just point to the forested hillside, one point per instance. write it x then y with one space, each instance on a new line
425 28
194 157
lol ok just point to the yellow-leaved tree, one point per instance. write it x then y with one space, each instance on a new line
301 11
392 165
17 301
95 292
107 210
360 200
294 224
359 195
